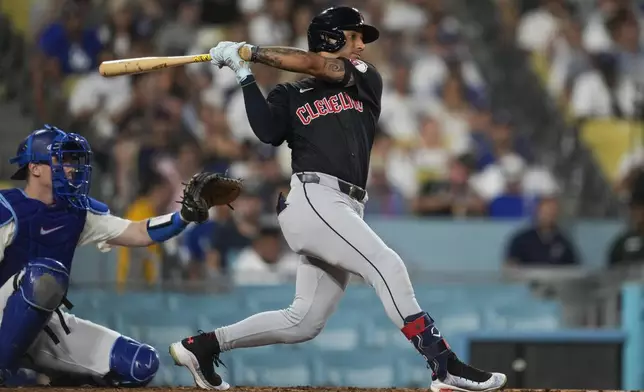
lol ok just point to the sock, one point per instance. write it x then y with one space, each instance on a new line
421 331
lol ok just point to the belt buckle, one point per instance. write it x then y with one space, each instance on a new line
309 177
353 192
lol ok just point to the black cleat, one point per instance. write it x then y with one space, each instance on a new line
200 354
465 378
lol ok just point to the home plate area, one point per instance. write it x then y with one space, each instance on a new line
294 389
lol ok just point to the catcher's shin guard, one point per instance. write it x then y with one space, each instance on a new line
132 363
37 294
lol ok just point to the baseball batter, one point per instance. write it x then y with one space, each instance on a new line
40 229
329 122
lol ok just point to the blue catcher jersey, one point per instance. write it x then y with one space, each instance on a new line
40 230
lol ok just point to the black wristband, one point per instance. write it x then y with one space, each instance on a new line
250 79
253 53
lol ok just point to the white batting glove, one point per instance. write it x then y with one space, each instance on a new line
233 61
216 53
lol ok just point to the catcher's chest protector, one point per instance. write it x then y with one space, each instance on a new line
41 231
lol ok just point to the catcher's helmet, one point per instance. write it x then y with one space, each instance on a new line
325 33
58 149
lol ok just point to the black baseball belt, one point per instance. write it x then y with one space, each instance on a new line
353 191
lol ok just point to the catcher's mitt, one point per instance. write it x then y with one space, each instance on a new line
205 190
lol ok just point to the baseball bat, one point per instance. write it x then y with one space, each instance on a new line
147 64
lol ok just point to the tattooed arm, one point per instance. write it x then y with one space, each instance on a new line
301 61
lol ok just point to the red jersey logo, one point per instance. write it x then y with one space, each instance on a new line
328 105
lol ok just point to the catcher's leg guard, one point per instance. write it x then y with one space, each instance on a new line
132 363
39 291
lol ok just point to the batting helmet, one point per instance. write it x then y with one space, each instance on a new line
325 33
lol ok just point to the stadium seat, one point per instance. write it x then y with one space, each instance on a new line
264 298
380 332
542 316
160 328
411 368
343 331
609 140
273 368
359 368
84 299
457 317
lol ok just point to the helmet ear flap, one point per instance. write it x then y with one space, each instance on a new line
329 41
334 39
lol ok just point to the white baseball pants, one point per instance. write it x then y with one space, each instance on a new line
86 351
326 227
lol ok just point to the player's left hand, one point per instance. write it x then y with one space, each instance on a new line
217 54
205 190
228 53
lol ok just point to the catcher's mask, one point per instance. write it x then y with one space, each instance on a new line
326 31
69 156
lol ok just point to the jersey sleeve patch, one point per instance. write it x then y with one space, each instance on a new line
360 65
98 207
7 214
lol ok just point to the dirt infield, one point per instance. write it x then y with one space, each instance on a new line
293 389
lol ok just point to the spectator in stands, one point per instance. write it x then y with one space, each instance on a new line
501 140
384 199
511 186
544 243
142 265
221 149
94 103
431 156
237 121
271 182
400 111
624 30
630 166
628 247
178 168
301 18
603 92
64 48
568 59
178 35
511 200
273 25
538 27
267 261
454 196
430 70
195 243
232 233
452 111
596 35
73 48
121 29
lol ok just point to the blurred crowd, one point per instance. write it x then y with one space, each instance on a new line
593 51
592 56
441 151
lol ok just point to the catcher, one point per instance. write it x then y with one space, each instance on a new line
40 228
